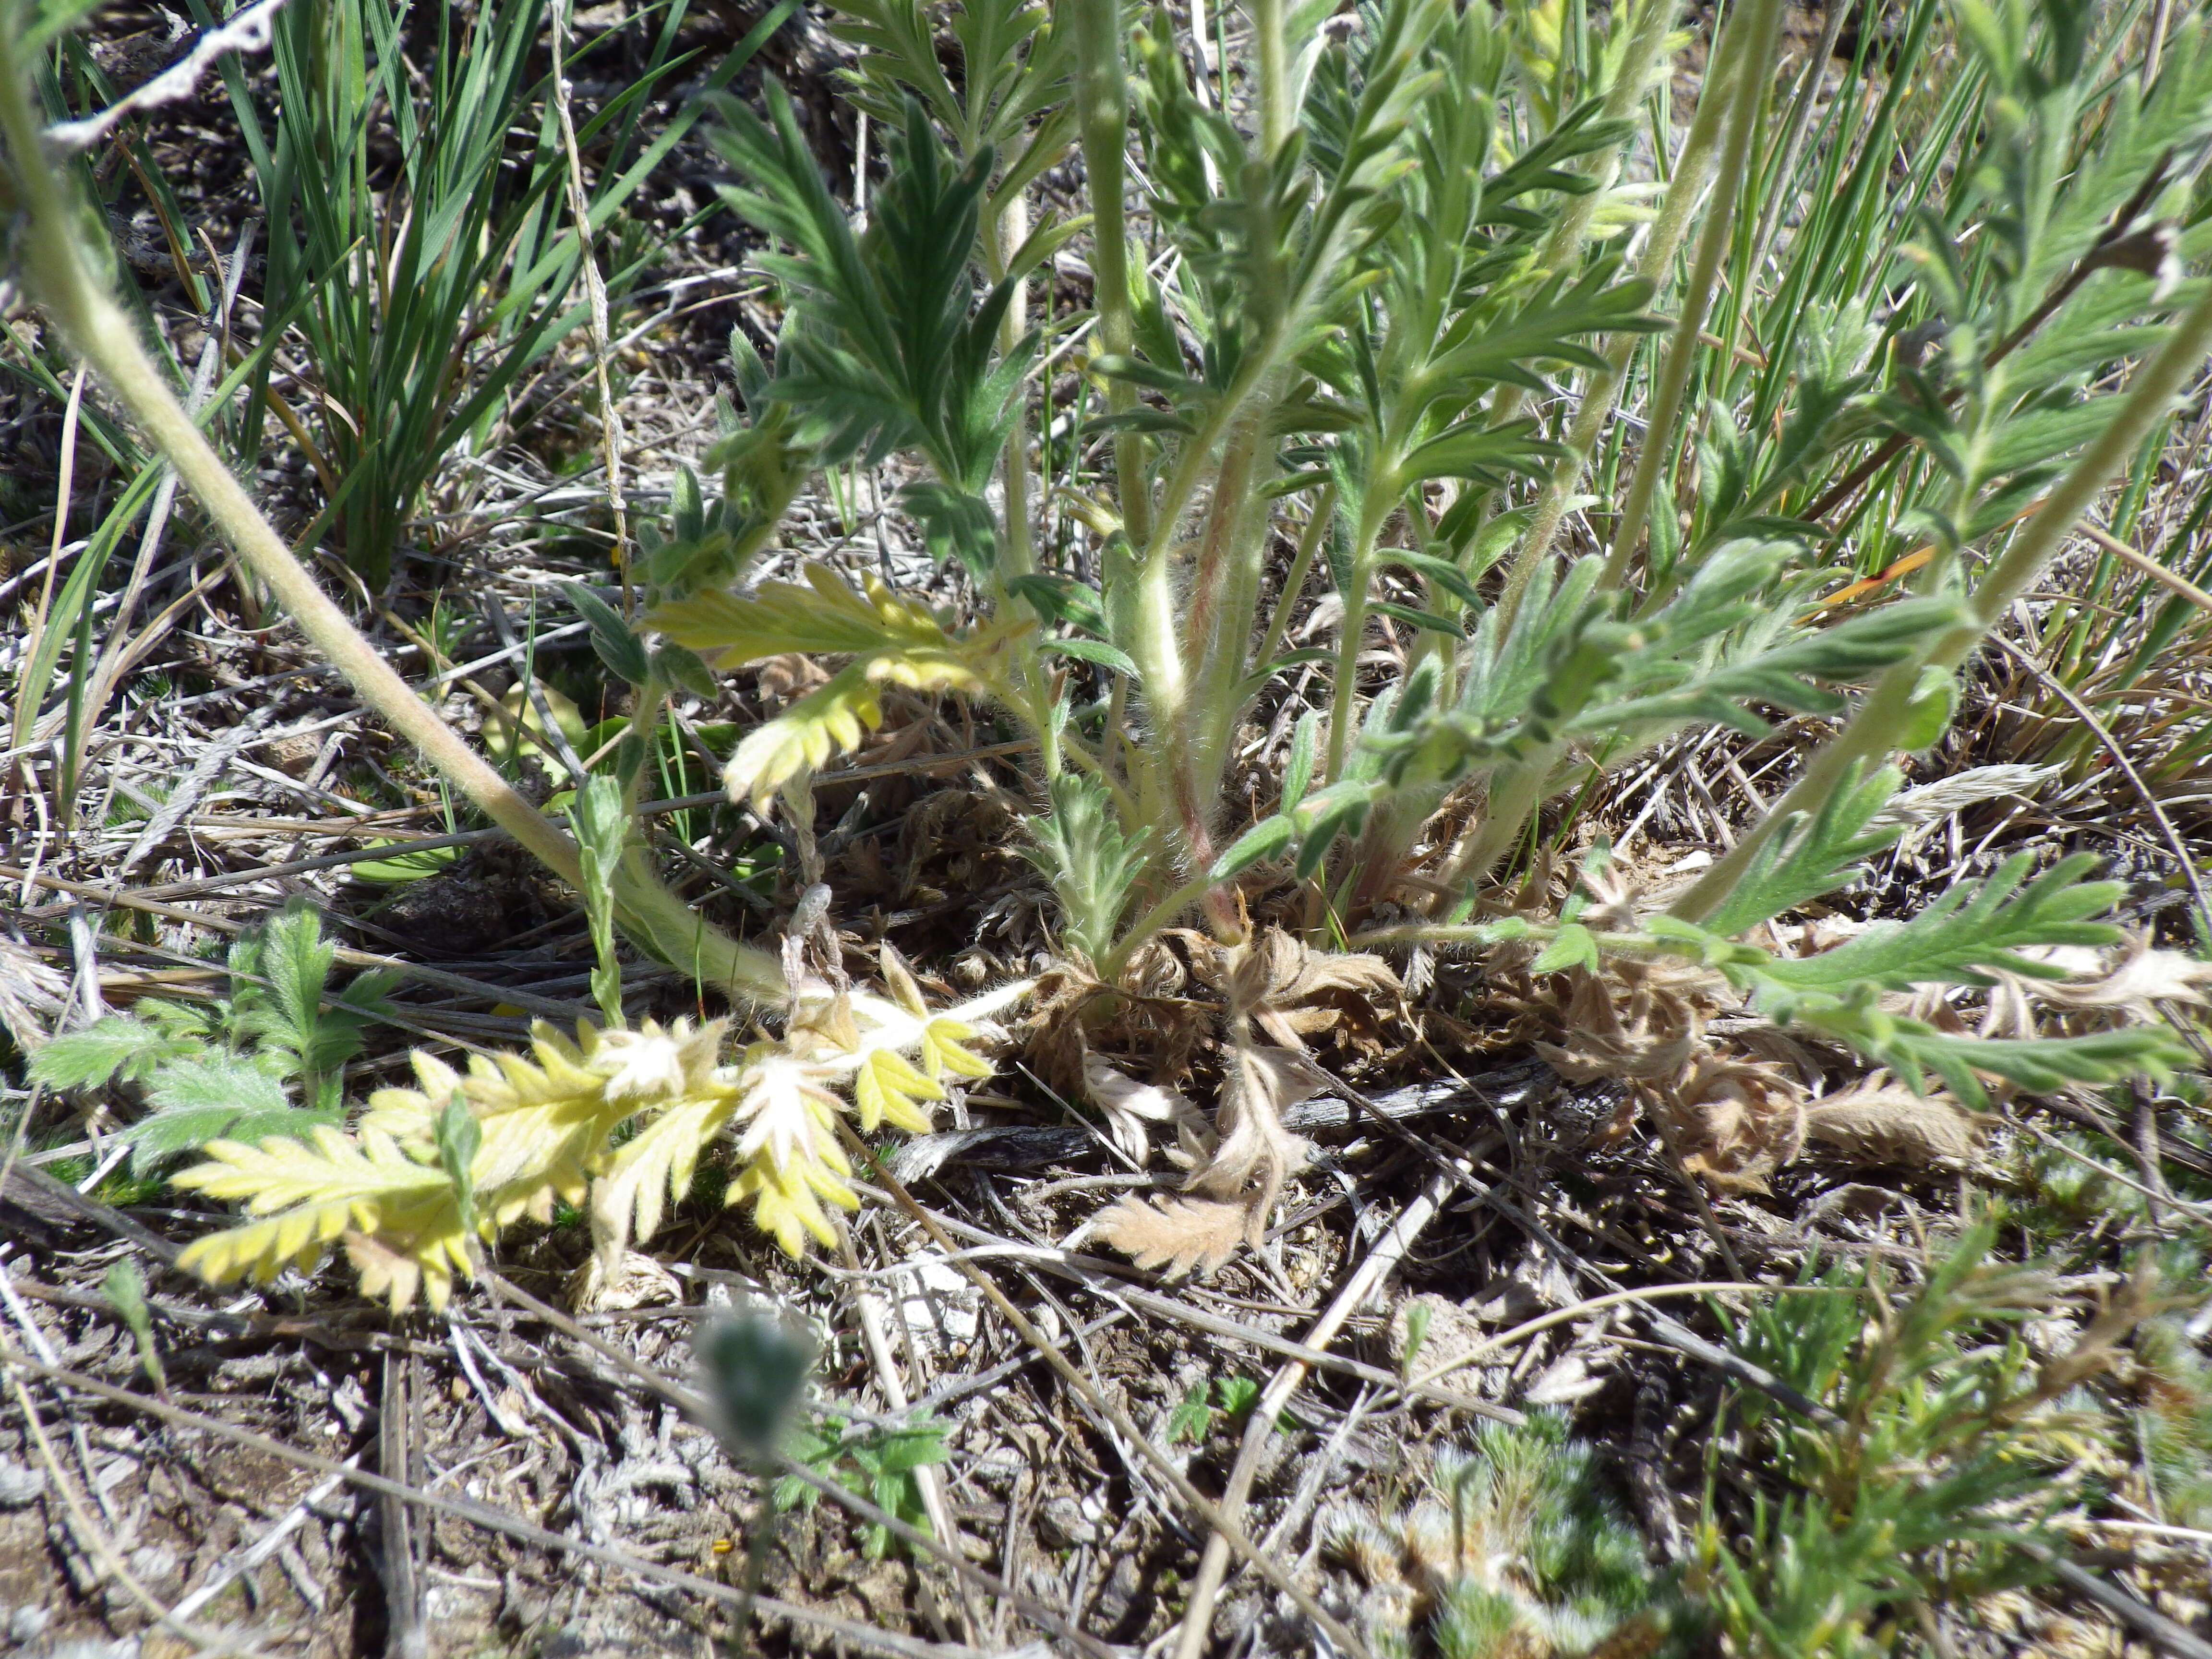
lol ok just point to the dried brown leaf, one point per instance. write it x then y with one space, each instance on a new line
1129 1105
639 1281
1256 1154
1292 991
1630 1033
1176 1234
1156 970
2139 978
1297 973
786 679
1735 1120
1885 1123
1238 1182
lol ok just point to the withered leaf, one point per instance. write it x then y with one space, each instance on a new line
1887 1123
1176 1234
1129 1105
1256 1154
790 676
2139 978
1736 1121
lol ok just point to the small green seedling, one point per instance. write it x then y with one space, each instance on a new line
1226 1401
267 1058
125 1287
880 1464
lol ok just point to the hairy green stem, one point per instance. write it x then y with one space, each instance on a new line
1755 71
1277 115
1294 582
1224 600
1874 730
55 277
1158 642
1693 170
1102 91
1351 629
1520 790
1002 231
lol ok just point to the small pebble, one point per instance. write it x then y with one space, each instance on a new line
29 1625
1064 1524
19 1483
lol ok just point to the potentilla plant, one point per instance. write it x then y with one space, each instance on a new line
1364 305
426 1177
418 1184
1345 434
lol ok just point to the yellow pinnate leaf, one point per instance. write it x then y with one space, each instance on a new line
438 1081
406 1115
561 1070
318 1189
651 1065
410 1115
826 721
421 1250
924 671
262 1250
788 1117
656 1167
561 1079
526 1158
973 664
907 620
557 1141
944 1049
787 1203
825 616
887 1089
328 1167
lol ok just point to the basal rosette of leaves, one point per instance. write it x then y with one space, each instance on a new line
1320 341
890 641
1362 317
426 1178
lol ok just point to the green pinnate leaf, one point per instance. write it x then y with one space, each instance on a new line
1961 938
1817 854
1093 864
114 1047
1914 1050
216 1097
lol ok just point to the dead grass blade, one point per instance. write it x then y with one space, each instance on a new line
1225 1527
863 1637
